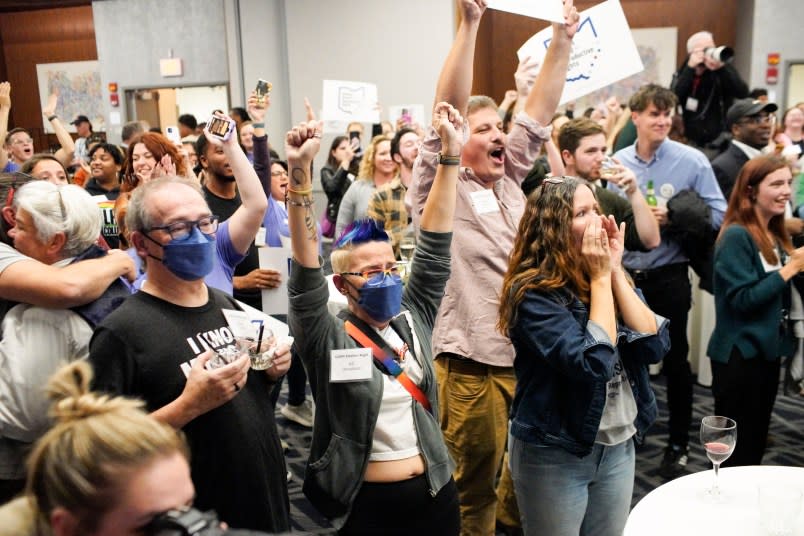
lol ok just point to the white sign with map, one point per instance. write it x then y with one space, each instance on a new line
350 101
603 50
78 85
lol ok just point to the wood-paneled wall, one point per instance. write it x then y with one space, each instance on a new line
29 38
501 34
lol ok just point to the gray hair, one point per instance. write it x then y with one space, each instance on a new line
67 209
479 102
138 217
697 37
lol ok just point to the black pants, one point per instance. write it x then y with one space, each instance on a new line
668 293
404 508
745 390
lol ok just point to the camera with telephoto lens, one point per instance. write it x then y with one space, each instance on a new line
192 522
722 54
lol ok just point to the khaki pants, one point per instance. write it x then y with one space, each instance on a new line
475 400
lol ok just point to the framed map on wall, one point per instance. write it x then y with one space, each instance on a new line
78 87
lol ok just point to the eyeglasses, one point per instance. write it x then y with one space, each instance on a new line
22 142
368 274
181 229
278 173
553 180
757 119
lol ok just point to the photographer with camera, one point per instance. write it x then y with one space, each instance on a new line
706 86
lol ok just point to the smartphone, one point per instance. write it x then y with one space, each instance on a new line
172 133
407 119
354 135
221 127
262 90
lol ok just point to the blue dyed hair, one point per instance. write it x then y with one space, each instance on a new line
360 232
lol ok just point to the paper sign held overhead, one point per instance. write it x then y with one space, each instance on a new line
350 101
552 10
603 50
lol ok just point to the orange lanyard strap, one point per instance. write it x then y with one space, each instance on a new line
389 363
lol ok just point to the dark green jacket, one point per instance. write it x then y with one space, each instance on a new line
748 302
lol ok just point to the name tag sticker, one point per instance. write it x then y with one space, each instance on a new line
350 365
691 104
484 201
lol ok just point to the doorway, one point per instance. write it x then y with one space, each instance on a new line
794 83
161 107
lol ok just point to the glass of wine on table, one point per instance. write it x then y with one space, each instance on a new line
718 436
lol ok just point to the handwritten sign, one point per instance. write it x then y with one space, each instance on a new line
603 50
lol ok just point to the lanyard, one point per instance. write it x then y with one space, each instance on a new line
389 362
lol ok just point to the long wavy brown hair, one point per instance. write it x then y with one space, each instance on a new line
158 145
545 256
742 202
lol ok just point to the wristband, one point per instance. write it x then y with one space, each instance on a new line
305 203
52 117
300 192
449 160
258 125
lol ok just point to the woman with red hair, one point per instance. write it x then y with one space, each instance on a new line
149 156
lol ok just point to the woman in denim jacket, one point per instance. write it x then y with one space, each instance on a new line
583 339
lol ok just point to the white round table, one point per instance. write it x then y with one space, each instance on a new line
678 507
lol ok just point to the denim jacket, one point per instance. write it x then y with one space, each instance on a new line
563 363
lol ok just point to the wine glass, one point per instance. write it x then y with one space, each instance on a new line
718 436
406 247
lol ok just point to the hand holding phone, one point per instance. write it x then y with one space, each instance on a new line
262 90
221 127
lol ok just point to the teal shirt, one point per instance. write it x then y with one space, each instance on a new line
748 302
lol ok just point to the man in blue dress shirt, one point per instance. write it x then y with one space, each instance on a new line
662 273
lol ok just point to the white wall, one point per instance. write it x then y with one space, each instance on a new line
777 27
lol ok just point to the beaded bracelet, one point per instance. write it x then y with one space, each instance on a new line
304 203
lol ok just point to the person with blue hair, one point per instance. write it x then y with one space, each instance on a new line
376 437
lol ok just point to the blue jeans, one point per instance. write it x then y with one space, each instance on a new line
560 494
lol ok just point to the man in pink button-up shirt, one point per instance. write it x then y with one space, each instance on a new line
474 362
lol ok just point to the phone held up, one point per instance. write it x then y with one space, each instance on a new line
262 90
172 133
221 127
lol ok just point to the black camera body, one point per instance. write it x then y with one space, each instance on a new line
192 522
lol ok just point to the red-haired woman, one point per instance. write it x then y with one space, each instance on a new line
754 264
149 156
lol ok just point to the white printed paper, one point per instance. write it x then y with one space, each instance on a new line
275 300
552 10
239 322
603 50
484 201
350 365
280 329
350 101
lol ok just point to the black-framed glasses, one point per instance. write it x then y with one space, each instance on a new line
179 230
368 274
757 119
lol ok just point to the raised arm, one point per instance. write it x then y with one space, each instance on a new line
543 98
67 150
439 209
455 80
33 282
5 109
301 145
247 219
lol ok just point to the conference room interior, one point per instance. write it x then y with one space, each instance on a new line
226 45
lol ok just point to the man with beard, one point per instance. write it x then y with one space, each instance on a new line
582 143
750 124
388 202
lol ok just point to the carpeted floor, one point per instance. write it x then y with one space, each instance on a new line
787 438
